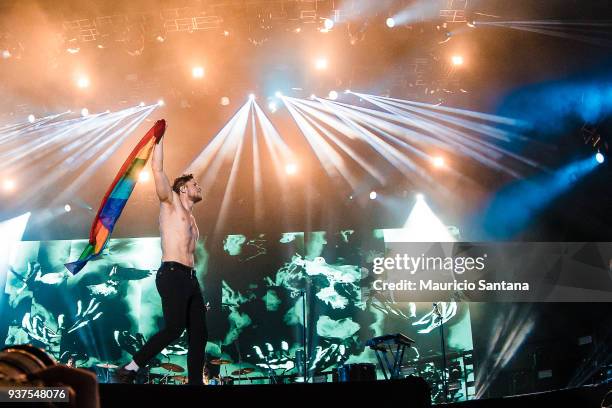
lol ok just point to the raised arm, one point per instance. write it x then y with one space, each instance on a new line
162 185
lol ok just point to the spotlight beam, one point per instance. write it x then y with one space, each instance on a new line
404 133
590 23
465 145
76 134
325 115
96 142
385 129
423 225
514 207
384 143
417 120
479 128
279 151
201 163
271 135
257 177
553 29
417 10
118 138
462 112
225 145
18 130
510 333
382 120
41 145
399 160
277 147
237 139
375 140
79 145
330 159
359 159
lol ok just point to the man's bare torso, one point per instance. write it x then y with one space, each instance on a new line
179 232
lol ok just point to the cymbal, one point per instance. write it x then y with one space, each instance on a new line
243 371
106 365
172 367
218 361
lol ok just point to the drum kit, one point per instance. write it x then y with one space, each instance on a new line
172 373
226 379
107 367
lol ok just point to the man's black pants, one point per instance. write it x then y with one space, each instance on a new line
183 308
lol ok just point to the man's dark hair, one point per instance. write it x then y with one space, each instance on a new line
180 182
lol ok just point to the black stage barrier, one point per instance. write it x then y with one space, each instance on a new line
410 392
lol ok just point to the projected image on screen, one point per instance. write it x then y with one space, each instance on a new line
260 288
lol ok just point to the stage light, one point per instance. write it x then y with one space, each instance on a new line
252 96
438 161
373 195
350 197
457 60
422 225
6 54
84 112
160 102
225 101
11 231
600 157
31 118
313 97
298 30
420 196
197 72
291 168
328 24
141 104
9 185
321 64
226 33
160 38
144 176
272 106
333 95
390 22
67 208
278 94
83 82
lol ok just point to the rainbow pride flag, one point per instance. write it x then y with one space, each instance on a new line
117 196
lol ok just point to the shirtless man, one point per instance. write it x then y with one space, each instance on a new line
182 303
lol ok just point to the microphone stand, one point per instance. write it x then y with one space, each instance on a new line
304 339
239 361
438 313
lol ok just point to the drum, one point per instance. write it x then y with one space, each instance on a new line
214 381
227 381
355 372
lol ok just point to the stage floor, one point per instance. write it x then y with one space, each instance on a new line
406 393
